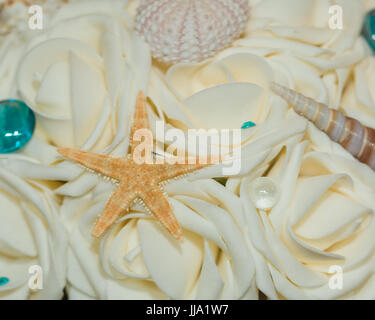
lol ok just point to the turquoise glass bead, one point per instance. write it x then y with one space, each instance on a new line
368 30
3 281
248 124
17 123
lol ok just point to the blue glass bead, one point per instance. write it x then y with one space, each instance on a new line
248 124
3 281
17 123
368 30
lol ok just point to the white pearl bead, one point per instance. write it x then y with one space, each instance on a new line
264 193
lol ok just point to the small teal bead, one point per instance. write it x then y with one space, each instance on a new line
17 123
368 30
248 124
3 281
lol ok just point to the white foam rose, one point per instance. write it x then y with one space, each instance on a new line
316 22
359 99
289 42
317 242
137 249
305 53
234 89
31 234
224 93
121 264
138 259
80 75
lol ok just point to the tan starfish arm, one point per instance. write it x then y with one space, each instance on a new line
157 203
140 121
102 164
169 171
120 201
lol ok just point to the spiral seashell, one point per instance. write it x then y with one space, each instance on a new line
190 30
348 132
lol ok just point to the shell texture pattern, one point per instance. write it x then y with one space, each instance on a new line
348 132
190 30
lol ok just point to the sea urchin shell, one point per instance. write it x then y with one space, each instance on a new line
190 30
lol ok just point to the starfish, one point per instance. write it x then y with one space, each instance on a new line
136 181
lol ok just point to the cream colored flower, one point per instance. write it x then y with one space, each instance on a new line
310 21
138 259
317 242
303 50
80 75
31 234
224 93
359 99
220 93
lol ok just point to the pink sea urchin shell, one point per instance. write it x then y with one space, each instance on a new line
190 30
